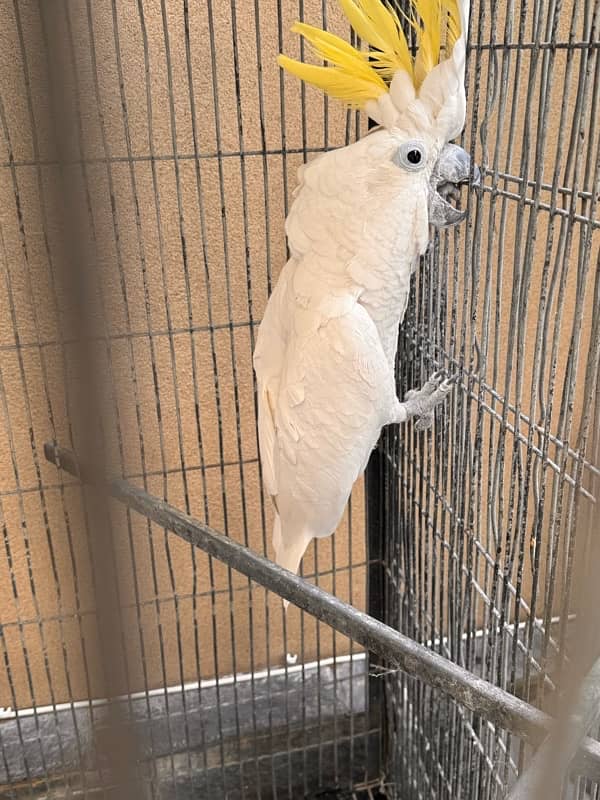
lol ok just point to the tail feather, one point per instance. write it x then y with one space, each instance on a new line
289 545
276 532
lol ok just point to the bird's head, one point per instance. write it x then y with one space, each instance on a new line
417 96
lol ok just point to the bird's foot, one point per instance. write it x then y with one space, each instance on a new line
421 403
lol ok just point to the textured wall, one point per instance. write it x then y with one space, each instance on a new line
185 157
186 233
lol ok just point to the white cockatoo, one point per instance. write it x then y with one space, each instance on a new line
326 347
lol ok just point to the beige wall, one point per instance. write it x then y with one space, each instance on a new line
163 335
166 334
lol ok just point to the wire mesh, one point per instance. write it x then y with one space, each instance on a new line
183 141
482 538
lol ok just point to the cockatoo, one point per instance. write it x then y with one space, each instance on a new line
326 347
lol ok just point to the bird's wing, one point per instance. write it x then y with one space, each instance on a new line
269 359
339 240
335 392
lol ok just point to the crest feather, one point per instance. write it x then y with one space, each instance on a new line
379 26
351 87
357 77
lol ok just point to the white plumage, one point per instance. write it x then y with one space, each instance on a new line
326 347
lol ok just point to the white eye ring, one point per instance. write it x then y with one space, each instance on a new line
411 156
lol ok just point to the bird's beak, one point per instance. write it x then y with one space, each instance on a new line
453 169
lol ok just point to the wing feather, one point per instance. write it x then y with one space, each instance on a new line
324 438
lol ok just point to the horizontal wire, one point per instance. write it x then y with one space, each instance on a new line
149 473
127 335
165 600
143 157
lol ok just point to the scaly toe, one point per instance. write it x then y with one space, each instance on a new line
433 383
428 388
424 422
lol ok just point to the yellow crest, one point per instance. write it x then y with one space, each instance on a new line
355 76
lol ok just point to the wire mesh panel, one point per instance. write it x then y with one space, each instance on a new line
169 132
483 537
181 140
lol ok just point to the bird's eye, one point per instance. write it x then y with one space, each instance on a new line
411 156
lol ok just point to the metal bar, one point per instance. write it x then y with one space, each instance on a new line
375 481
504 46
585 715
494 704
168 157
379 480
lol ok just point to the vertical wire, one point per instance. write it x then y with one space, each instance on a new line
359 667
208 284
284 165
546 71
315 549
9 670
500 97
336 767
269 269
565 416
505 643
233 356
583 267
183 469
352 677
476 521
245 213
494 652
35 458
499 447
490 619
466 458
427 500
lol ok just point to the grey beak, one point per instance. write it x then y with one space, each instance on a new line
453 169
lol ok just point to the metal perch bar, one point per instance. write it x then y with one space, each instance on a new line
494 704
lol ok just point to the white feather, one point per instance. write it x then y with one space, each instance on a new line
325 352
326 347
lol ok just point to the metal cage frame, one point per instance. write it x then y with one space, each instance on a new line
417 683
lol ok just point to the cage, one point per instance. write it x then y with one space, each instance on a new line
149 153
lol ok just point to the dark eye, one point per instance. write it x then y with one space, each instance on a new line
411 155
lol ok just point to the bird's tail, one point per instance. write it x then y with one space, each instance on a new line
290 545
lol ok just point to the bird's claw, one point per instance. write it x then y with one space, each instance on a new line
427 388
420 403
